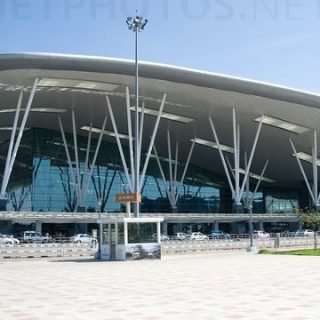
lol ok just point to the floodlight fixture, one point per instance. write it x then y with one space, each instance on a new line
136 24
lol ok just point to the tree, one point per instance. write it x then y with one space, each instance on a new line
309 218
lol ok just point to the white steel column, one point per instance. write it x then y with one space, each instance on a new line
68 157
119 145
130 133
315 169
175 193
88 177
222 157
141 134
88 147
236 157
152 141
170 164
303 173
9 154
230 168
251 156
75 145
185 170
163 177
260 178
21 130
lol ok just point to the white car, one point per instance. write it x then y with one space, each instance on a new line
180 236
198 236
305 233
258 234
6 240
15 240
163 237
83 238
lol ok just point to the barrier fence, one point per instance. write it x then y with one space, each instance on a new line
167 247
189 247
47 250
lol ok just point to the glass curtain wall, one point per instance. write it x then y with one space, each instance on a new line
42 179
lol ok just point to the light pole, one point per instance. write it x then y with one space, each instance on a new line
136 24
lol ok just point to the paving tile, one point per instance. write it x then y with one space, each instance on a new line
211 286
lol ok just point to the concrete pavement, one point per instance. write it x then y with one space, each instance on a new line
214 286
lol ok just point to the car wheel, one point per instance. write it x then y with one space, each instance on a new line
79 241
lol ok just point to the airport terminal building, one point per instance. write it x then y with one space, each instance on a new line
211 147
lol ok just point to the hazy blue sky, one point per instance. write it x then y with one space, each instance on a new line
269 40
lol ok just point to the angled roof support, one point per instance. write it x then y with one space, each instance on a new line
222 157
141 133
73 178
315 168
152 141
171 182
261 177
76 156
13 134
89 175
130 133
163 177
88 148
172 190
251 157
18 140
185 169
119 144
314 200
230 167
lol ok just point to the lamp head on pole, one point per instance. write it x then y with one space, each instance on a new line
136 24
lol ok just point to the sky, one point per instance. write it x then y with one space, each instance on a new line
273 41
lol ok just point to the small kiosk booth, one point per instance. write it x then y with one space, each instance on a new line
124 238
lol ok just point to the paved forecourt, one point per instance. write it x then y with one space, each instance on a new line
213 286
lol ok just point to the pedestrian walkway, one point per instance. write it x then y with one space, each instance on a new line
213 286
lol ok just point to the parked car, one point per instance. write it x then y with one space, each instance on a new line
33 236
305 233
83 238
259 234
15 240
217 234
5 239
198 236
180 236
163 237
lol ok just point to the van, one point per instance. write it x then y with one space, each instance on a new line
33 236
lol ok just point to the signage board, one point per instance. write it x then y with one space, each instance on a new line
128 197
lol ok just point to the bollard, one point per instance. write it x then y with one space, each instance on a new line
315 241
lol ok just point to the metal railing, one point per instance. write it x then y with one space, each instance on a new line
47 250
206 246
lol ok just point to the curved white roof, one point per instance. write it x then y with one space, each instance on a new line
190 93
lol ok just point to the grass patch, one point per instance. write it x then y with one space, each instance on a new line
301 252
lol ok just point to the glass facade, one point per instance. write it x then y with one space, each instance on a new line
42 181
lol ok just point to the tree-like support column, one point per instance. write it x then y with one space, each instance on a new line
237 189
15 141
